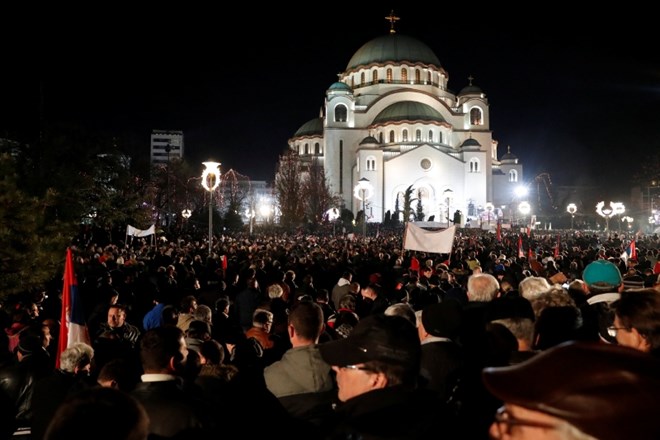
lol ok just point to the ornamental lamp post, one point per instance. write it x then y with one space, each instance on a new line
571 209
524 208
211 181
363 191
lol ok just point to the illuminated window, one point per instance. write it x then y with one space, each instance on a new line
362 81
392 136
476 117
404 135
352 82
404 75
418 76
306 148
429 78
513 176
440 137
389 75
418 135
430 135
474 165
341 112
317 148
375 76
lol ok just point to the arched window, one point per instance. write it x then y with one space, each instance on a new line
404 75
440 137
418 135
391 136
341 113
380 137
317 148
371 163
418 76
429 77
389 75
474 165
306 148
352 82
430 135
513 175
404 135
476 116
362 78
375 76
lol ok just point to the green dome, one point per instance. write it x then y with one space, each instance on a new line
408 111
340 86
311 128
369 140
393 48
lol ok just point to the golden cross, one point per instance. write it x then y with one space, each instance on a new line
392 19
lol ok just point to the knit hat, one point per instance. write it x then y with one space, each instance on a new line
602 273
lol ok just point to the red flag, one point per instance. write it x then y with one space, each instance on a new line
414 264
520 249
72 320
499 231
224 262
557 248
632 254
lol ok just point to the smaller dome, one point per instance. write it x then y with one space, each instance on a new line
509 157
369 140
408 111
340 87
311 128
471 144
471 89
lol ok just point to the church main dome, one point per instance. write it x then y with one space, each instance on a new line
393 48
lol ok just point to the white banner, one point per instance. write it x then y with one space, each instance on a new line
135 232
418 239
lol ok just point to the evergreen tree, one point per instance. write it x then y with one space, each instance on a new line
419 214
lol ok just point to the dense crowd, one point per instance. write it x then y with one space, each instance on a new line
342 337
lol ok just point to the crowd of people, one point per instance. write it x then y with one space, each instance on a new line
553 335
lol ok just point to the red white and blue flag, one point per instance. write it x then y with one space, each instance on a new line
72 321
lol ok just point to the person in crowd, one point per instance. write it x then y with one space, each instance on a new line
442 357
186 312
345 319
72 376
531 287
402 309
117 328
119 373
604 284
341 288
377 371
108 413
371 301
246 302
154 317
637 320
577 390
172 408
302 381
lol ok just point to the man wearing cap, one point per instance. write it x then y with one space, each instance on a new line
578 390
377 370
604 284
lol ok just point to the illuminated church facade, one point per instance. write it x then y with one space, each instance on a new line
392 120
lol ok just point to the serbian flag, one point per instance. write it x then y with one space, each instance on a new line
72 321
224 262
521 254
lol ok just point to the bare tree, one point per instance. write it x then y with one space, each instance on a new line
289 188
319 197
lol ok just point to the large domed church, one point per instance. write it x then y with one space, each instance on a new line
391 121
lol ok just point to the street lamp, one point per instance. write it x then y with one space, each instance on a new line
210 181
448 194
363 191
250 214
186 213
571 209
607 212
524 208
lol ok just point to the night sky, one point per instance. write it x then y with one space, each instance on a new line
577 97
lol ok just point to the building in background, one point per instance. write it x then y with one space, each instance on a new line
391 119
166 145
